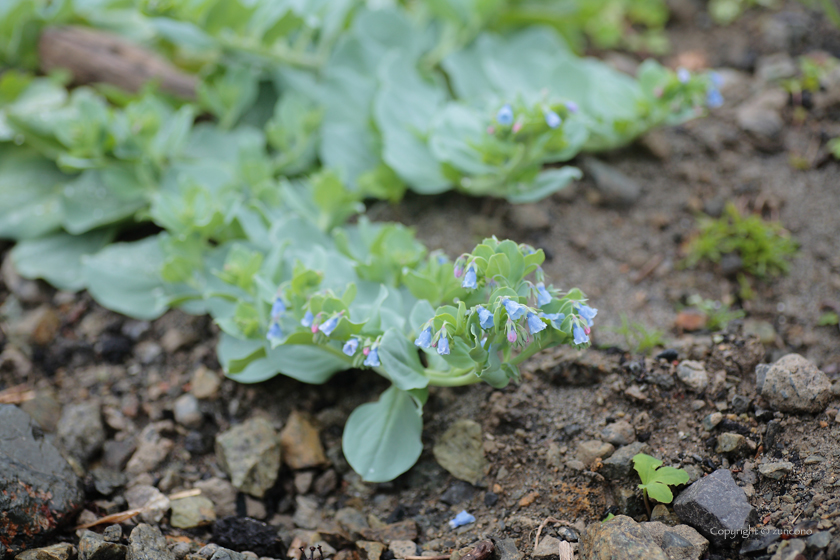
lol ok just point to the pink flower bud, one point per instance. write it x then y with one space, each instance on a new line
517 126
366 351
314 328
491 130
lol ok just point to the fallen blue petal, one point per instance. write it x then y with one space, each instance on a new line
461 519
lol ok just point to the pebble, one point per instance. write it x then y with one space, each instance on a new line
27 291
759 115
301 443
38 489
711 421
775 67
154 503
716 507
81 431
44 409
664 515
619 433
106 480
547 547
250 454
458 492
529 217
764 330
39 325
728 442
794 384
151 450
814 459
308 513
619 465
588 451
459 450
147 543
195 511
254 508
205 383
351 520
242 533
303 481
93 546
175 339
147 351
400 531
401 549
789 550
693 374
776 470
771 434
370 550
505 549
620 538
61 551
186 411
690 320
820 539
326 483
679 542
613 187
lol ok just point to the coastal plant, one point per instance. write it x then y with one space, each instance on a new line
656 479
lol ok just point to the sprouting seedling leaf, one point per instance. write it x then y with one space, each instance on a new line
656 479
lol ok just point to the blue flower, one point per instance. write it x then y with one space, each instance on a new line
351 346
543 297
552 119
372 359
308 317
587 313
278 308
572 106
425 338
505 115
328 326
462 518
515 310
580 335
485 318
554 317
470 280
713 98
443 345
535 325
683 75
274 332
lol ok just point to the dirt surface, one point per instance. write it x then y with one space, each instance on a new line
627 259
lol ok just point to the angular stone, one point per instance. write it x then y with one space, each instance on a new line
620 538
187 412
401 531
147 543
401 549
307 514
729 443
664 515
776 471
80 430
152 449
93 546
794 384
61 551
250 454
205 383
588 451
195 511
154 503
679 542
693 374
459 450
717 508
39 491
505 549
619 465
370 550
221 492
619 433
301 443
790 550
711 421
351 520
548 547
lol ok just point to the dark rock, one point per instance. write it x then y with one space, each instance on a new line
81 431
505 549
106 481
731 264
244 533
93 546
61 551
490 499
112 533
763 414
771 434
115 454
620 464
741 404
114 348
669 355
833 552
618 539
568 534
147 543
717 508
759 541
460 491
38 490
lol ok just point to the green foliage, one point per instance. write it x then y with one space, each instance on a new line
834 147
828 318
813 71
638 338
718 314
725 12
764 247
656 479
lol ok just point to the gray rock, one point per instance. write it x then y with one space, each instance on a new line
728 442
308 514
775 67
147 543
771 434
588 451
775 471
154 503
760 375
620 538
205 383
789 550
693 374
351 520
760 116
794 384
195 511
741 404
614 187
679 542
151 451
619 465
221 492
80 430
93 546
61 551
187 412
505 549
401 549
112 533
250 454
619 433
107 481
459 450
711 421
39 492
458 492
548 547
820 539
717 508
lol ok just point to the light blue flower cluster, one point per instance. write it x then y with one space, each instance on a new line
278 309
440 340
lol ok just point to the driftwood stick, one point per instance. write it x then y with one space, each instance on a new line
96 56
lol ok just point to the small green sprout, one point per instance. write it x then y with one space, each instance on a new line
639 338
827 319
718 314
656 480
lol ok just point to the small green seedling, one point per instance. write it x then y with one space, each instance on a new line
639 338
656 479
719 314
